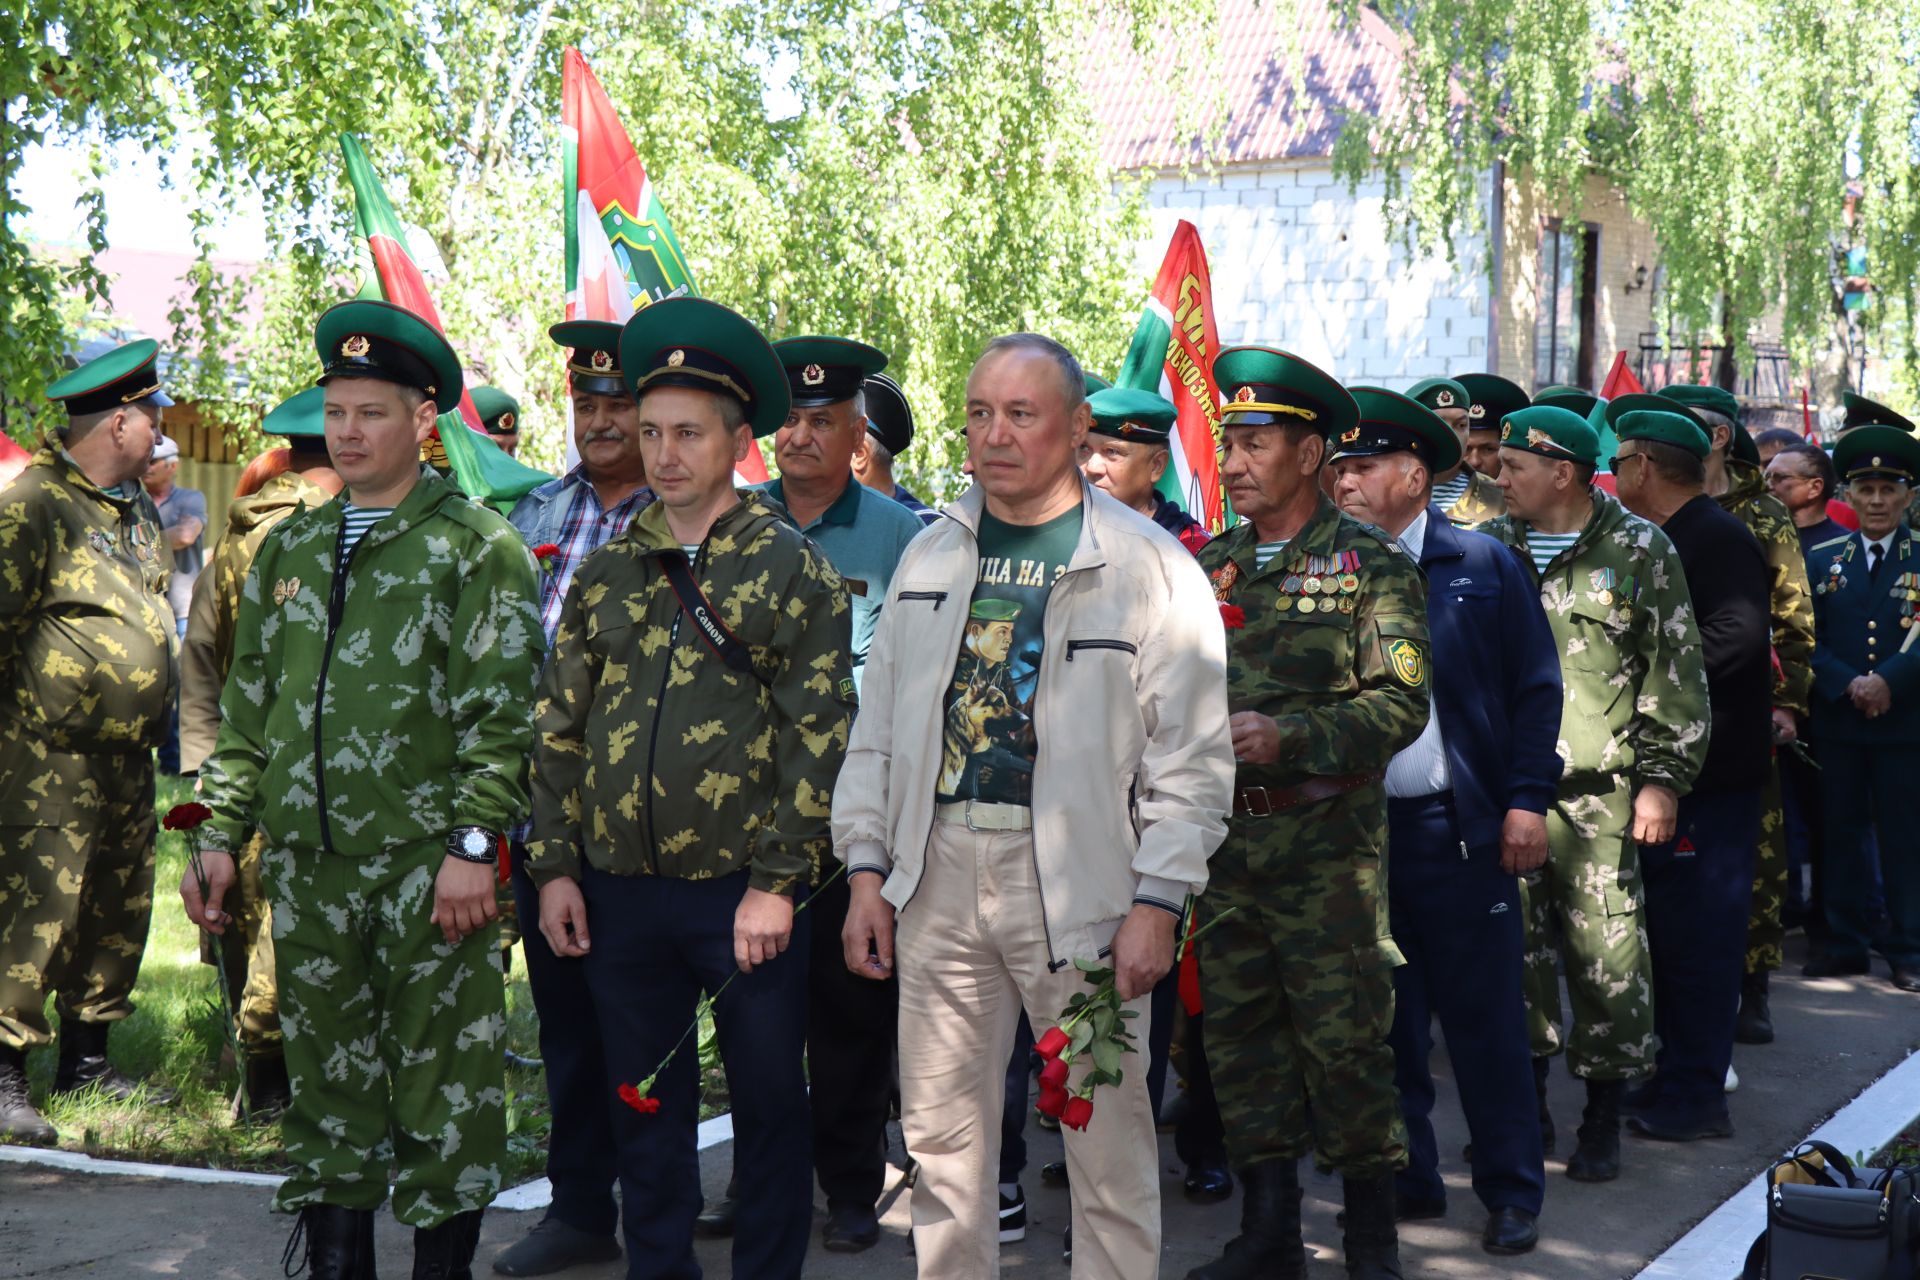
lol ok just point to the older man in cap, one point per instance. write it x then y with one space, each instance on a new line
86 652
375 730
889 432
1699 883
1126 454
1490 399
1866 700
1466 815
499 417
1633 734
1465 495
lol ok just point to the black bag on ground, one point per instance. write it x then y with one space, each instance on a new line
1827 1222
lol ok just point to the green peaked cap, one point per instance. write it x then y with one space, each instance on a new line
1861 412
371 339
128 374
593 355
1393 423
824 371
889 416
1439 393
1490 398
692 342
300 414
1877 450
1138 417
1551 432
1265 386
499 412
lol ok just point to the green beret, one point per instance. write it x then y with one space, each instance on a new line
1862 412
128 374
1675 429
1264 386
692 342
300 414
822 371
1440 393
1551 432
992 609
1138 417
1877 450
1491 398
372 339
1572 399
1094 382
889 416
499 412
1393 423
593 355
1717 400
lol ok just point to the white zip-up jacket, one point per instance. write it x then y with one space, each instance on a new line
1134 772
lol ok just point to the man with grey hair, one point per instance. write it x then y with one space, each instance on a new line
1028 807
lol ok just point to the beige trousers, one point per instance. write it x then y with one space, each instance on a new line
971 950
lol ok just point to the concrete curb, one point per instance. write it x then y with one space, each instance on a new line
1716 1249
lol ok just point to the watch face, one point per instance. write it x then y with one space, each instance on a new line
474 843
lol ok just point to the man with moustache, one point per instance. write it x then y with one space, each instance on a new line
577 514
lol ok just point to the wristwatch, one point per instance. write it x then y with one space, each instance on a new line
473 844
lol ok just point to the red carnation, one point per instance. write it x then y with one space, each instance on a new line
1052 1044
644 1105
185 817
1054 1074
1078 1111
1233 616
545 551
1052 1102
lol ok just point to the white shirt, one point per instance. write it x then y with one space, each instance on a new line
1421 769
1885 544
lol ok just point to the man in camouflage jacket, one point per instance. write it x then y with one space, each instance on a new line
1634 735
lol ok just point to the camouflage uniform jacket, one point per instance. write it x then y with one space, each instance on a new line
1791 599
1483 500
656 758
1630 656
86 634
207 649
1345 679
389 703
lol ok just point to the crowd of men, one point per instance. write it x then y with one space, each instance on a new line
1438 722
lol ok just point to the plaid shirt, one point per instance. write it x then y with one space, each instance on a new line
584 527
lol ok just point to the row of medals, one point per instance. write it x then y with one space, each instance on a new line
1323 594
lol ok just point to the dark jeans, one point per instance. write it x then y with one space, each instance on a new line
658 943
851 1024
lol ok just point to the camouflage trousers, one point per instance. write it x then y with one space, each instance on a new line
244 956
1766 935
1589 894
76 883
392 1038
1298 984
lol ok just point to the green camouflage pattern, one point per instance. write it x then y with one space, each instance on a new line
657 756
1766 931
1635 714
1483 500
393 1038
422 720
1298 981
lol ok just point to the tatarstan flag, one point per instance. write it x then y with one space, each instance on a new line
389 274
1172 353
621 250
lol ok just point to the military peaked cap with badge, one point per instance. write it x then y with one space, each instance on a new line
691 342
1721 401
1877 451
1490 398
371 339
1264 386
126 375
499 412
1551 432
1393 423
889 416
822 371
1861 412
301 414
1440 393
1132 415
593 355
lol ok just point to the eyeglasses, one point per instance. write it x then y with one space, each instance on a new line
1613 463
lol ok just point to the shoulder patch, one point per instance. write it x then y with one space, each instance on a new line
1409 668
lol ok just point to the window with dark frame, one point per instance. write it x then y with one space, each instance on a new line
1563 327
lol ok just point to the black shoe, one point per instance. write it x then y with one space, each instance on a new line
337 1244
1208 1180
1835 967
269 1092
19 1122
84 1065
1755 1023
1597 1157
553 1246
1906 977
1371 1241
445 1252
1510 1231
716 1223
1268 1246
1013 1216
850 1228
1053 1173
1670 1124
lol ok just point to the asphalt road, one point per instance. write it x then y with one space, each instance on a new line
1835 1037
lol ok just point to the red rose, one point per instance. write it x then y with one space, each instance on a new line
631 1096
1052 1102
185 817
1078 1111
1054 1074
1053 1043
1233 616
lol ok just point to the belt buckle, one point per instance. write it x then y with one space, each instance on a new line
970 825
1265 807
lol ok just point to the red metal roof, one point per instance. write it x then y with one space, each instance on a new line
1344 69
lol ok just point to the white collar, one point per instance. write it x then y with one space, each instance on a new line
1414 538
1885 544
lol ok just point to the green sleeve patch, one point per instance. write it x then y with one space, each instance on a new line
1409 668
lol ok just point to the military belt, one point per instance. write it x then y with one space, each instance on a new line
1264 802
979 815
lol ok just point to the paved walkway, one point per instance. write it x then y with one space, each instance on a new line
1836 1037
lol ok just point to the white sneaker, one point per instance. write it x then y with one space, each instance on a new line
1733 1078
1013 1217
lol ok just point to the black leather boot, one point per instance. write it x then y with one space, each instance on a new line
445 1252
331 1243
1597 1158
1755 1023
18 1119
716 1220
269 1092
1542 1068
1372 1242
1268 1246
84 1065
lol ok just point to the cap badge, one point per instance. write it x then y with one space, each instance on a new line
1476 411
602 362
506 422
1876 461
1243 396
356 346
1443 399
1127 428
676 358
812 376
1538 439
1350 435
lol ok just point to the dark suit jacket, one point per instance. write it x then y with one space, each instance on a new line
1856 628
1496 678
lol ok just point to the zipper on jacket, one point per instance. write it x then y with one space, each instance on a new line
659 712
336 606
1074 646
1054 965
938 597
